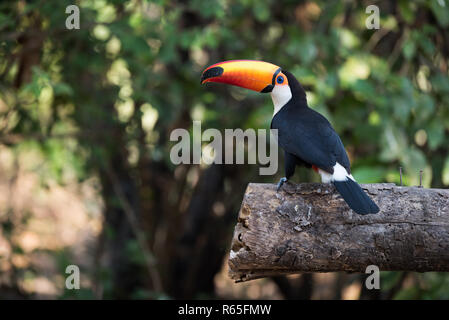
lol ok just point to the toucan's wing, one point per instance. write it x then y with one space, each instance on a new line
309 136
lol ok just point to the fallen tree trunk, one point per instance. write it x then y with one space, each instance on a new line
309 228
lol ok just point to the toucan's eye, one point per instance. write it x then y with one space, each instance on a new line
280 79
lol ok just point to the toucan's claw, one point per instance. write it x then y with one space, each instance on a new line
281 183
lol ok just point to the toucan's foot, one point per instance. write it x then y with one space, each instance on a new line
281 183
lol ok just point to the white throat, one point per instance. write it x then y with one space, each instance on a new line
280 96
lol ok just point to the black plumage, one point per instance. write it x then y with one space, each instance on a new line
308 139
355 197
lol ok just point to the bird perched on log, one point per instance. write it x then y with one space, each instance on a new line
306 136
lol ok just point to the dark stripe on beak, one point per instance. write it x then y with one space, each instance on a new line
212 73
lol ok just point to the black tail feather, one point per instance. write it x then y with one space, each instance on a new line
355 197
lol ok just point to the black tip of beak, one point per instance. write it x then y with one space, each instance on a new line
211 73
267 89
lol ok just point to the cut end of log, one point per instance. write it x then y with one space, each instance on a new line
309 228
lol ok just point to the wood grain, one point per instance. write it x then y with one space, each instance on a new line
309 228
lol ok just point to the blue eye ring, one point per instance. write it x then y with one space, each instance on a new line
280 79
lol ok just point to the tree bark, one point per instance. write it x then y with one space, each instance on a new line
309 228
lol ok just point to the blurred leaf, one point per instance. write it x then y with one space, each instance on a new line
303 47
414 161
406 10
407 294
62 89
440 9
440 82
435 132
369 174
394 142
446 172
261 12
353 69
425 107
409 49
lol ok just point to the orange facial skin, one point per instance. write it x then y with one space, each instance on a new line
250 74
281 80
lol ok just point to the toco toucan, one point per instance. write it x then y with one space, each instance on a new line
306 136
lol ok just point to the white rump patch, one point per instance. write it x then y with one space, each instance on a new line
326 177
280 95
340 174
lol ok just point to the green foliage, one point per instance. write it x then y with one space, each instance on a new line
82 103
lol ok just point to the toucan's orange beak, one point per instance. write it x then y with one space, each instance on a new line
250 74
